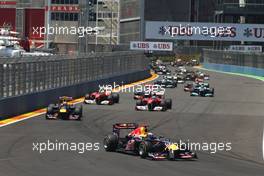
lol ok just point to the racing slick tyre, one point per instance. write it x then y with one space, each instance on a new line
168 103
213 90
115 97
163 105
171 155
139 103
110 143
49 111
144 149
111 100
78 111
87 97
98 101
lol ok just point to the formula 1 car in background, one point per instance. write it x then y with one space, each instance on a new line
162 70
138 141
190 76
148 91
102 97
188 87
202 75
166 83
180 79
64 110
202 91
153 103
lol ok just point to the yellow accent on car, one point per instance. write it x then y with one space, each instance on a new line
173 147
63 110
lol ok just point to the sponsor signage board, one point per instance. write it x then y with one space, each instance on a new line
245 48
3 3
204 31
151 46
63 8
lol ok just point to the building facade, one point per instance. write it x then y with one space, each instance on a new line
59 17
103 14
134 13
239 11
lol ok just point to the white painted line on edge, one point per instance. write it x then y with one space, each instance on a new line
263 143
36 115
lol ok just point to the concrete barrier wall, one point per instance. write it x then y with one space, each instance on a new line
13 106
235 69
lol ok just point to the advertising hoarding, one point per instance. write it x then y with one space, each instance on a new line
151 46
204 31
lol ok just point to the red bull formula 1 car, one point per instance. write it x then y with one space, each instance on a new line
102 97
139 142
64 110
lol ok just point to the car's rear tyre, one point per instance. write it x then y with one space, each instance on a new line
139 103
78 111
50 110
168 103
171 155
163 105
111 100
98 101
87 96
144 149
110 143
115 97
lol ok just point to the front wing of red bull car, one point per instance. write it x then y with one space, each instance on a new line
164 149
64 112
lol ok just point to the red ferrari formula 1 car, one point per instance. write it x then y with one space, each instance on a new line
148 91
153 103
102 97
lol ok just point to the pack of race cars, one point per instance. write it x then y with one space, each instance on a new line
146 100
195 81
138 140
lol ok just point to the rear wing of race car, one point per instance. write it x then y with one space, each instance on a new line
125 126
65 98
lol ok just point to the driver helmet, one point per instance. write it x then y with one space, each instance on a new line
143 132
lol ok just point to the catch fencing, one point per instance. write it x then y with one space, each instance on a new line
255 60
21 76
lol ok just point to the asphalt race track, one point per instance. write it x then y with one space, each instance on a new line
235 114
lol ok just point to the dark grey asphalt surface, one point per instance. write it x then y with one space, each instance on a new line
235 114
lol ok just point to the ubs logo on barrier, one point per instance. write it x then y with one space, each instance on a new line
259 32
255 32
151 46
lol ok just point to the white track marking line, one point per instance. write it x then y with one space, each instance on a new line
38 114
263 144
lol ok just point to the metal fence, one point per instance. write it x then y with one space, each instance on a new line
255 60
29 75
